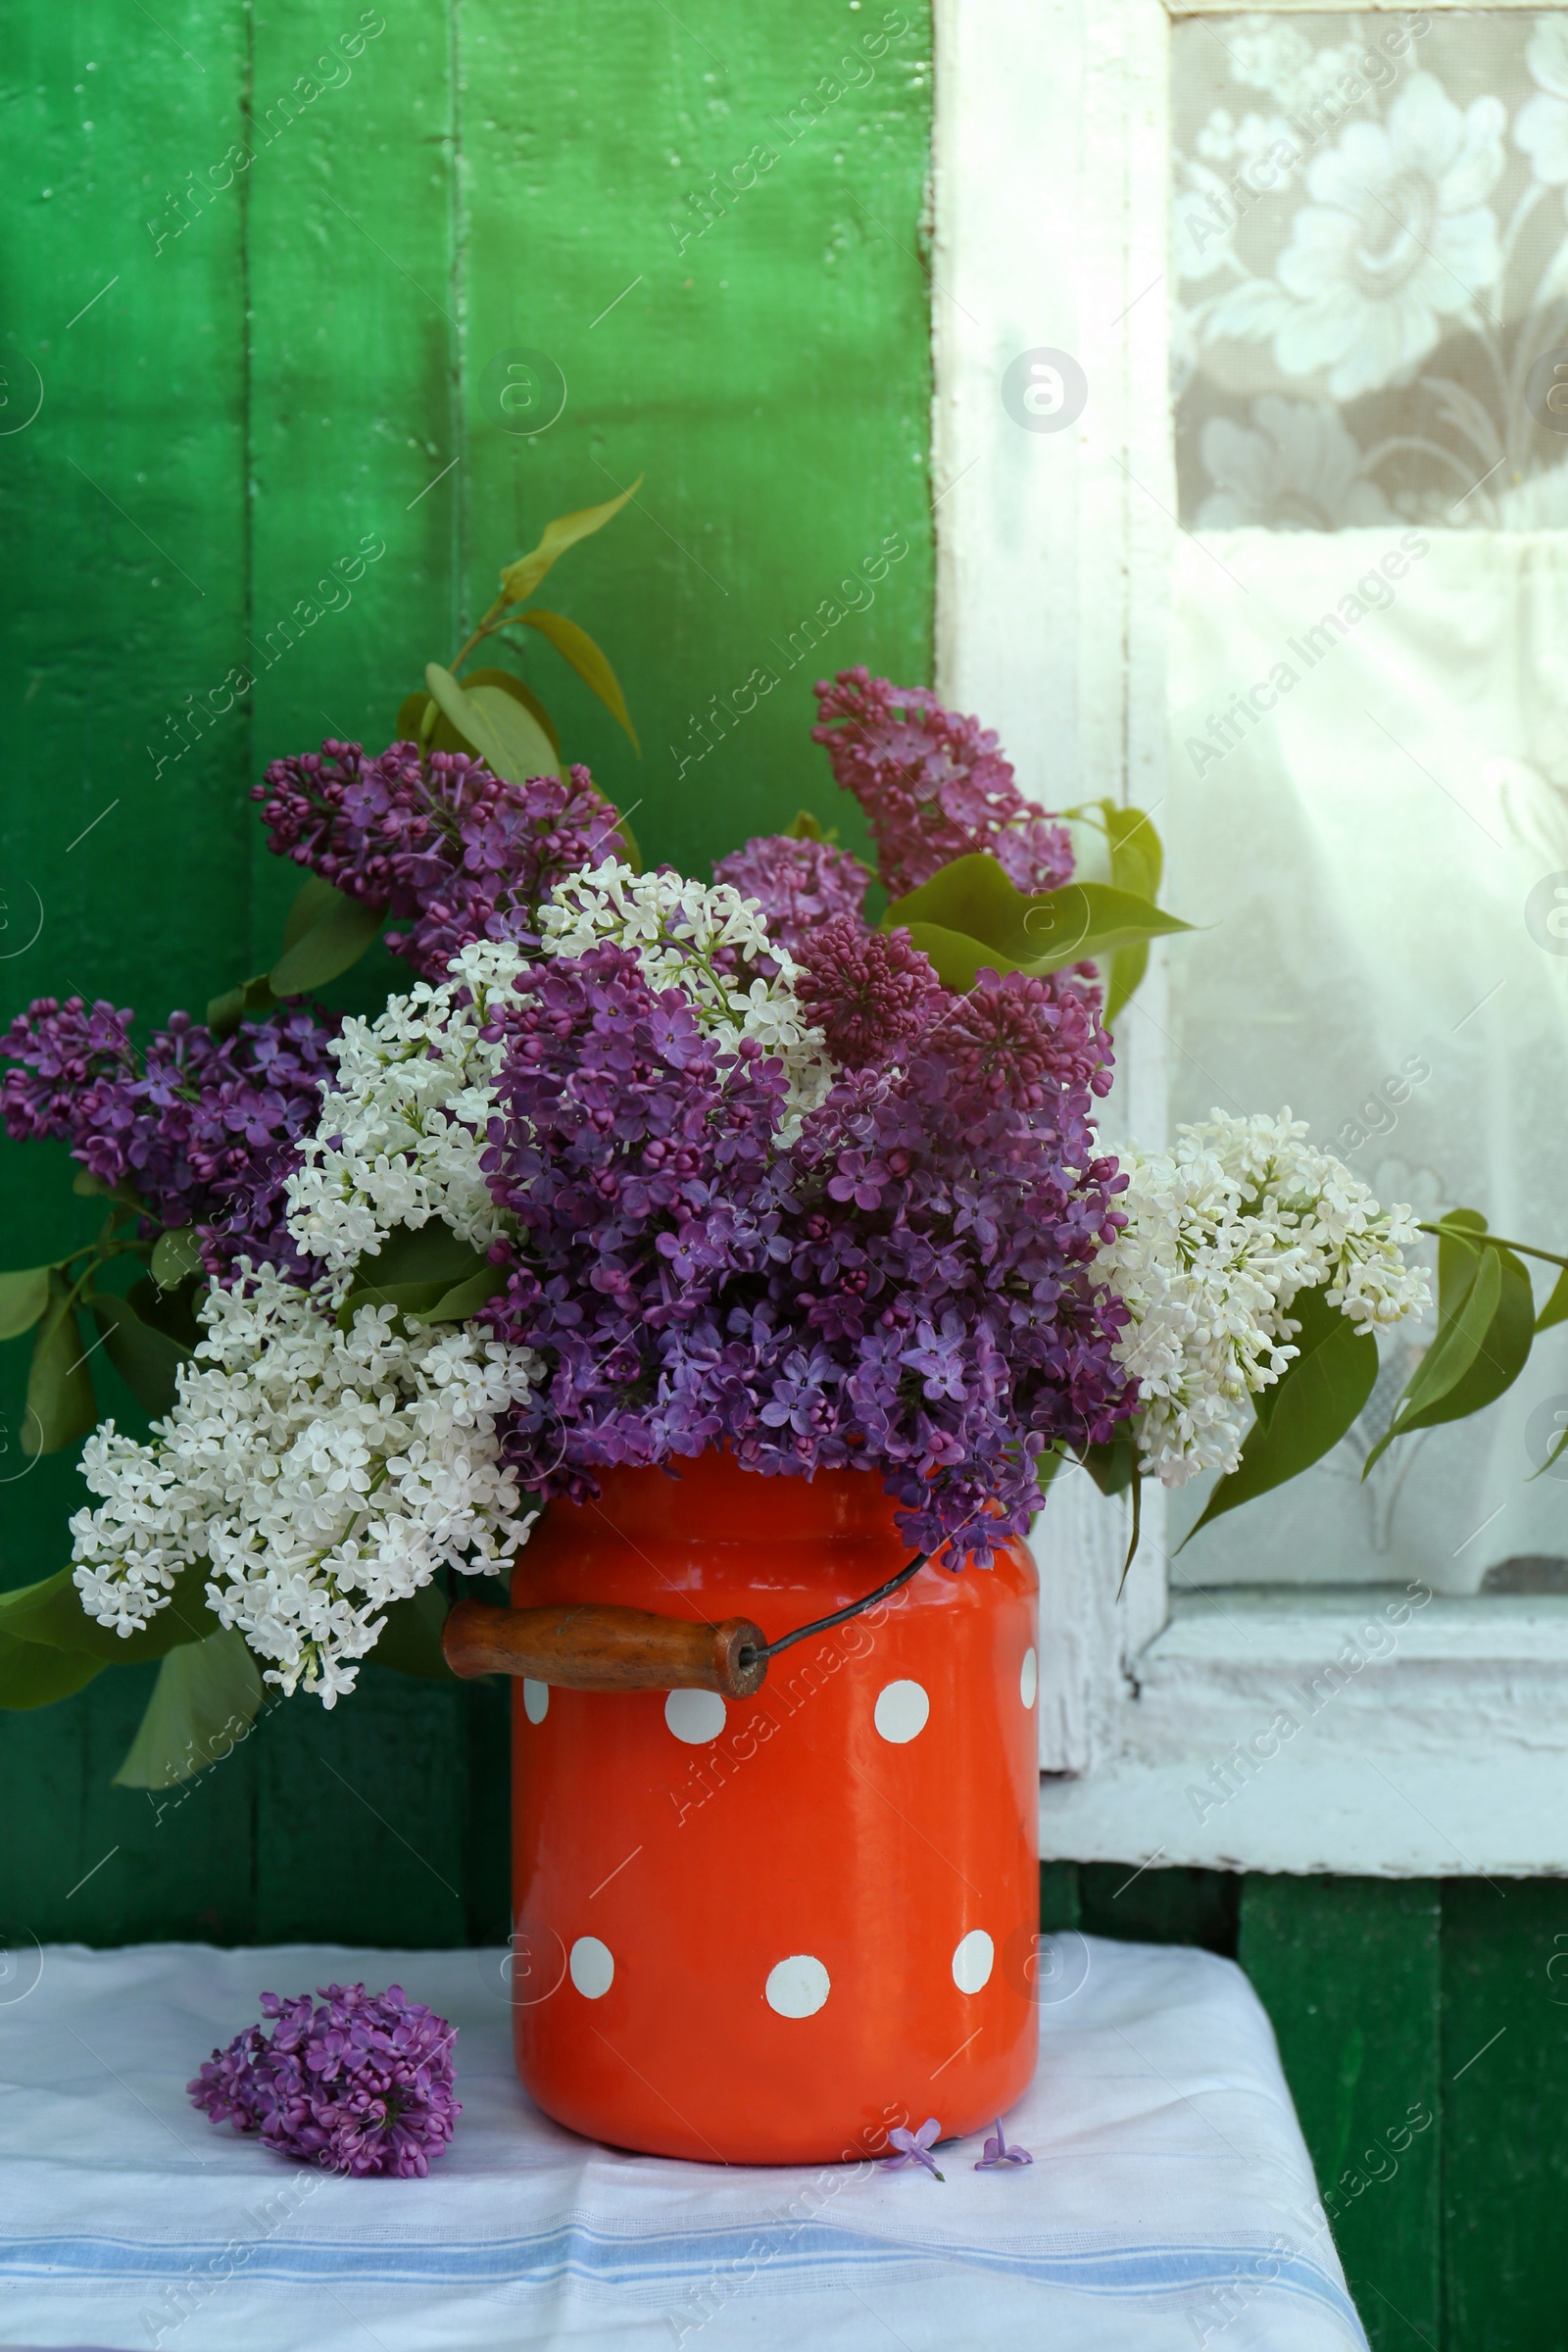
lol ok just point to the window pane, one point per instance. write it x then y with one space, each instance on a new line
1369 683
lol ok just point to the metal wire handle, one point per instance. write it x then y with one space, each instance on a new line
752 1653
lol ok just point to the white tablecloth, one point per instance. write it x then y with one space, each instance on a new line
1170 2203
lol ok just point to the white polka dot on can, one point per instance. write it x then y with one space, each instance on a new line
902 1712
1029 1677
973 1961
535 1699
798 1987
593 1967
694 1716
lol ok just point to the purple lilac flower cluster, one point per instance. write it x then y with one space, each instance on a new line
944 1216
205 1128
903 1290
800 883
638 1161
456 853
933 784
361 2084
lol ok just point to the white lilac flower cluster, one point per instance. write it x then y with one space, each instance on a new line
1223 1231
400 1143
685 935
320 1474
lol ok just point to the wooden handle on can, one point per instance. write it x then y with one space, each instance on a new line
593 1646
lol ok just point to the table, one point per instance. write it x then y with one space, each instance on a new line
1170 2203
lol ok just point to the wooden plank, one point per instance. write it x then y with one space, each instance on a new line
1160 1906
361 1817
122 509
487 1811
83 1862
1348 1969
1058 1897
353 361
124 502
354 411
1505 2091
749 335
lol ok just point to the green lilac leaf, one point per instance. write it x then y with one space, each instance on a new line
24 1296
61 1407
517 746
410 1642
1310 1407
89 1187
339 936
176 1255
1556 1309
971 916
51 1613
145 1359
171 1312
1485 1322
415 1271
207 1695
519 580
426 1252
575 645
463 1298
507 681
1114 1466
31 1676
311 905
225 1013
417 717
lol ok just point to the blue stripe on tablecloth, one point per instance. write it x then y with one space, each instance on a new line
608 2259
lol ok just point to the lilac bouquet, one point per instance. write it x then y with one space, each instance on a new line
635 1167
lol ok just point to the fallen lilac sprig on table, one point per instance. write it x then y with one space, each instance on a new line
361 2085
912 2146
999 2152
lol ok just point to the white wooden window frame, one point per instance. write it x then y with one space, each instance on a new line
1275 1728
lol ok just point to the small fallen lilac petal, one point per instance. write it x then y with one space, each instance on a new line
999 2152
913 2146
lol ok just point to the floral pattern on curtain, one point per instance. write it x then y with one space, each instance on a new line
1372 252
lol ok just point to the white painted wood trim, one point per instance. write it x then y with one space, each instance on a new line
1053 563
1386 1733
1451 1757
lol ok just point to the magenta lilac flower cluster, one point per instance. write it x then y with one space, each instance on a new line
905 1288
360 2085
455 855
799 885
869 991
204 1127
934 785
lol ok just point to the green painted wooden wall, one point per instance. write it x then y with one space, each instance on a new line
239 383
705 224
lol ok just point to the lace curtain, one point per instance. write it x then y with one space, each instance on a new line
1369 688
